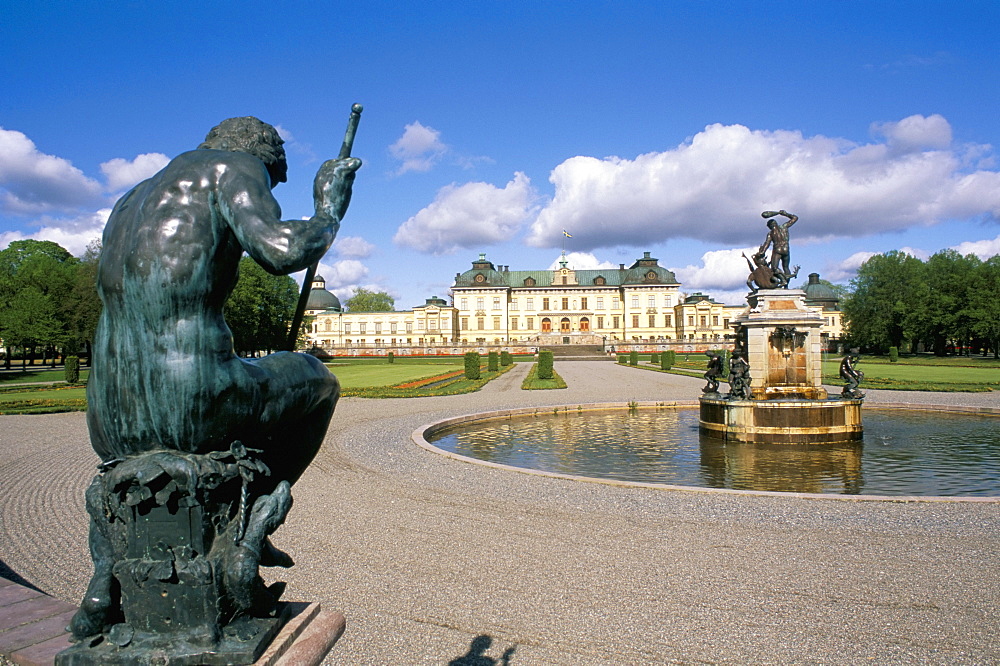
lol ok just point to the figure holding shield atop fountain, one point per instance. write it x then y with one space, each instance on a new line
777 239
713 373
850 374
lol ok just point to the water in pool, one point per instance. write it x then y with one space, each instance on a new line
903 452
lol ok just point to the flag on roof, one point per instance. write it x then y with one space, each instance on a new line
567 234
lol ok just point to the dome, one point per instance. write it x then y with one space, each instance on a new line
320 298
818 293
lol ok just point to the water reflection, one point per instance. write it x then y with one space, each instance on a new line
903 452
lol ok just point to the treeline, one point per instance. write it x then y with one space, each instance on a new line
947 304
49 306
48 303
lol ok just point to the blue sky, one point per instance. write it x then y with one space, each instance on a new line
492 126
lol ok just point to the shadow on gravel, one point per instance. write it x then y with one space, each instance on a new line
14 577
476 656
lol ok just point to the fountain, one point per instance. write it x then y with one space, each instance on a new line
778 343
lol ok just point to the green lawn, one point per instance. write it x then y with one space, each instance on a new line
37 375
943 375
388 374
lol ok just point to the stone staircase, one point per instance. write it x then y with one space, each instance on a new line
577 353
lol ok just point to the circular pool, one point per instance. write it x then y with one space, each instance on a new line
905 452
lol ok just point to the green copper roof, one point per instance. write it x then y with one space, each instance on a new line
644 271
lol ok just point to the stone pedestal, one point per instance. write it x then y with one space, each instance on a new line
780 338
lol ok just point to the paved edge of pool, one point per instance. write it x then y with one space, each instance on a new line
419 437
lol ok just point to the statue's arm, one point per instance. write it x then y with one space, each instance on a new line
278 245
792 219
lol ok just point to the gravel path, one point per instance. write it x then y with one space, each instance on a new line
424 554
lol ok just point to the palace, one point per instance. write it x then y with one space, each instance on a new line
638 305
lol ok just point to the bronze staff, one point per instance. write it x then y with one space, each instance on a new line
300 308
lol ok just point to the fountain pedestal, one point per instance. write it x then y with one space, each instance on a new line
780 338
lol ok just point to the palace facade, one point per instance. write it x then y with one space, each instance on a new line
637 305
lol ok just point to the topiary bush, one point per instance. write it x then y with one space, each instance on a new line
623 359
667 359
505 358
72 369
545 363
633 357
655 359
390 357
492 361
472 365
893 354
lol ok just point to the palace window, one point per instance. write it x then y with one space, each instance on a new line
564 325
635 321
667 320
347 328
378 327
392 328
361 327
465 304
513 323
409 327
600 303
465 323
480 304
652 321
584 325
545 304
616 304
614 322
652 301
481 323
691 321
635 301
432 324
715 320
496 302
496 323
704 321
529 323
565 304
600 322
531 304
513 304
583 302
546 325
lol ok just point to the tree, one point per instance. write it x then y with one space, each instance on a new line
881 308
35 274
365 300
260 309
941 314
85 303
983 306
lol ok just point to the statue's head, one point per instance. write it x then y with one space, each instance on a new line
771 224
250 135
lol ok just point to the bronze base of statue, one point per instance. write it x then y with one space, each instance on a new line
177 541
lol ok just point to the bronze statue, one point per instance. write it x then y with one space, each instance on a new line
199 448
777 240
713 373
850 374
739 377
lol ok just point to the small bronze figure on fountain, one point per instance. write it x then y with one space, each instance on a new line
713 373
739 378
850 374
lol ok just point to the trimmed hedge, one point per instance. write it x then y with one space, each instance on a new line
667 359
623 359
492 361
654 359
72 369
545 363
633 357
893 354
472 365
390 357
505 358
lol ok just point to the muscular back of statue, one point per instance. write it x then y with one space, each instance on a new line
165 375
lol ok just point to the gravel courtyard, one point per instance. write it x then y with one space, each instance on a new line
433 559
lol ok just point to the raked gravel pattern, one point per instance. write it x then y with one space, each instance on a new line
424 554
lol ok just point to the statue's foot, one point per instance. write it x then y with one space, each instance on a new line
272 556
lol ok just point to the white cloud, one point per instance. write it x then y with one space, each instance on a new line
73 234
122 174
719 270
354 247
848 268
468 216
34 182
419 149
343 274
714 187
984 249
915 133
582 261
